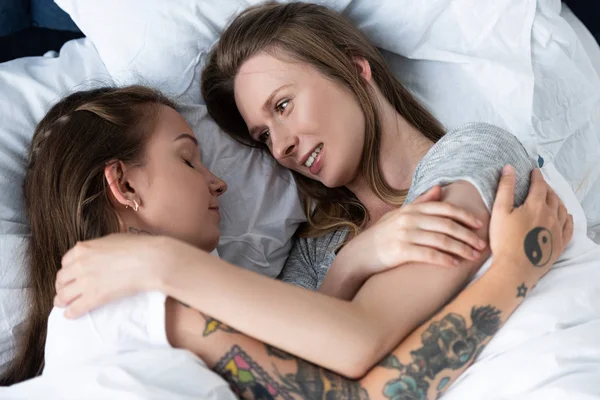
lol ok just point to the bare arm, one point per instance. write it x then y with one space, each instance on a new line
271 308
356 334
426 363
401 299
432 243
254 368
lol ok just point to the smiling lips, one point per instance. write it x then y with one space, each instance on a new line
313 156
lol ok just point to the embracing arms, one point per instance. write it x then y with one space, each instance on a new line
257 306
356 334
430 358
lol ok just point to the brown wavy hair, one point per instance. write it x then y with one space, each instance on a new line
313 34
66 192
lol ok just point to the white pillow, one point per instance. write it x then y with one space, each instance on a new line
514 63
28 87
473 56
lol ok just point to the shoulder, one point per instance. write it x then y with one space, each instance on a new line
474 152
475 140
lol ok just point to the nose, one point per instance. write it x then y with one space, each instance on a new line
217 185
284 144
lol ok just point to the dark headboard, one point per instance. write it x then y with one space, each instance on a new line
33 27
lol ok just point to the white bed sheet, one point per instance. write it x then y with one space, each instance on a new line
550 347
151 374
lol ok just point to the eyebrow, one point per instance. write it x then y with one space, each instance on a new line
187 136
266 106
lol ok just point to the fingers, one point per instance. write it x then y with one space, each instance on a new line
538 187
64 277
449 228
444 243
67 294
429 255
78 307
552 200
433 194
568 230
450 211
69 256
562 215
505 196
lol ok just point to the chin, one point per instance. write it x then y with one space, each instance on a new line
213 245
333 183
208 243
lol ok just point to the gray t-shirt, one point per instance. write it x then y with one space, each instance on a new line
474 152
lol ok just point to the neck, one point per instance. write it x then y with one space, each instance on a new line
402 147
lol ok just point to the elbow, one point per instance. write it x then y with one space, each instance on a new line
360 357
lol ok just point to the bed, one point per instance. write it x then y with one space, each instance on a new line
528 66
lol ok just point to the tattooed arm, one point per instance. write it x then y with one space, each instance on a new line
302 322
426 363
254 370
422 367
357 333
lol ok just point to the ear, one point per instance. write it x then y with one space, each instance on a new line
364 68
121 188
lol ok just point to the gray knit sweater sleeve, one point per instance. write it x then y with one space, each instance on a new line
474 152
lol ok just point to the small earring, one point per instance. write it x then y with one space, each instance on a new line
135 207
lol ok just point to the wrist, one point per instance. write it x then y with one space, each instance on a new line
514 270
355 270
164 268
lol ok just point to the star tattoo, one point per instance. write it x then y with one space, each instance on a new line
522 290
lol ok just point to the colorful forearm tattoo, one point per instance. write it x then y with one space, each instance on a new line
250 381
447 344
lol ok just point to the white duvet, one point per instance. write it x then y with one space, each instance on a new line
150 374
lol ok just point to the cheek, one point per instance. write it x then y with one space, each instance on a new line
177 204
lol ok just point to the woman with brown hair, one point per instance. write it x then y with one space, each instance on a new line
319 97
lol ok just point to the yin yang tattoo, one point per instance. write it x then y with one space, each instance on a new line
538 246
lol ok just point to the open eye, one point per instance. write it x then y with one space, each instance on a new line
264 136
281 106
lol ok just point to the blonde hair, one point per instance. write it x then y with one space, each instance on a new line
315 35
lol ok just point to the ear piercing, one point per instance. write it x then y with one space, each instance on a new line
136 206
